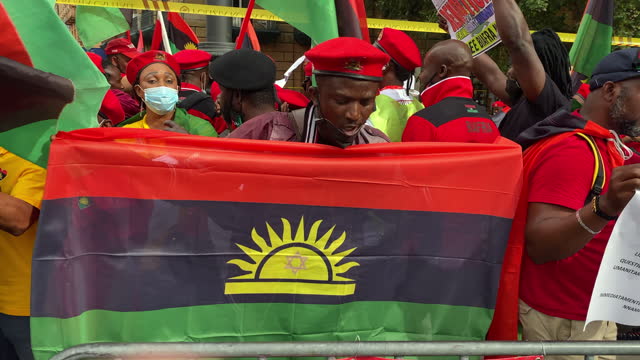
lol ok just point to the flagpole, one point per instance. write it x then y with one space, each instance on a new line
140 45
165 37
282 82
245 24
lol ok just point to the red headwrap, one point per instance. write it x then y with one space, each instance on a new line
138 63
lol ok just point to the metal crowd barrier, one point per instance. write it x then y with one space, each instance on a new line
333 350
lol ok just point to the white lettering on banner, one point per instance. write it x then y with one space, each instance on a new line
616 294
471 21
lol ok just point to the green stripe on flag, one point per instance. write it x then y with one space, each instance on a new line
593 42
96 24
315 18
366 321
39 27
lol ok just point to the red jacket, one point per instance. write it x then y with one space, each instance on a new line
199 104
451 115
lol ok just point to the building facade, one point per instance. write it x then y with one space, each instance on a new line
280 41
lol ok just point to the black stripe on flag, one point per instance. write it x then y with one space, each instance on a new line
137 255
601 11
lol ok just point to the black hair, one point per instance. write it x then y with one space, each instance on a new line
266 96
107 62
196 72
555 59
111 56
401 73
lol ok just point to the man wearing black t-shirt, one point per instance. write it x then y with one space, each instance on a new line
538 84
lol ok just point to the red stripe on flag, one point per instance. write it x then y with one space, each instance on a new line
156 40
358 6
140 46
178 22
150 164
246 22
11 45
253 37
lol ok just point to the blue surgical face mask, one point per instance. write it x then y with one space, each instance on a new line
161 100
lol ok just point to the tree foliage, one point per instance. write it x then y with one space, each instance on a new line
559 15
627 18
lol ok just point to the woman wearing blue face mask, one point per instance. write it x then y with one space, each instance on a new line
155 76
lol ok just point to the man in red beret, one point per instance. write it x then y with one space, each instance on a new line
111 112
395 104
291 99
348 73
450 113
194 76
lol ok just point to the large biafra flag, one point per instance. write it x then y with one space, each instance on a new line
151 236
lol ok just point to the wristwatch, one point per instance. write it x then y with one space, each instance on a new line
599 212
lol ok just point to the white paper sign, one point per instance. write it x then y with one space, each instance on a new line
471 21
616 294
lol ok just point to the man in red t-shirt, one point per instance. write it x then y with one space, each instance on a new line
567 229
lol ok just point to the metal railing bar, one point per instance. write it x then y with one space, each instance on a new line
343 349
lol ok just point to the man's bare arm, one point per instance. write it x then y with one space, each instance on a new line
488 72
16 216
514 32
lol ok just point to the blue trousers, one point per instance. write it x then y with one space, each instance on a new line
15 338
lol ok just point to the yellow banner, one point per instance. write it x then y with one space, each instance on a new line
259 14
485 40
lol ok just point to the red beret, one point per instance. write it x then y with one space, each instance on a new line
138 63
308 69
97 61
121 46
349 57
294 98
584 90
215 90
111 108
192 59
402 49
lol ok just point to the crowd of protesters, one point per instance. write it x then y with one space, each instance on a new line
360 93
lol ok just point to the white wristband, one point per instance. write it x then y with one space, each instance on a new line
584 226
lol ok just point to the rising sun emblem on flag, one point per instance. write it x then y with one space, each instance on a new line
190 46
302 264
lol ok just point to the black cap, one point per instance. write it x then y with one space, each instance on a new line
244 69
618 66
